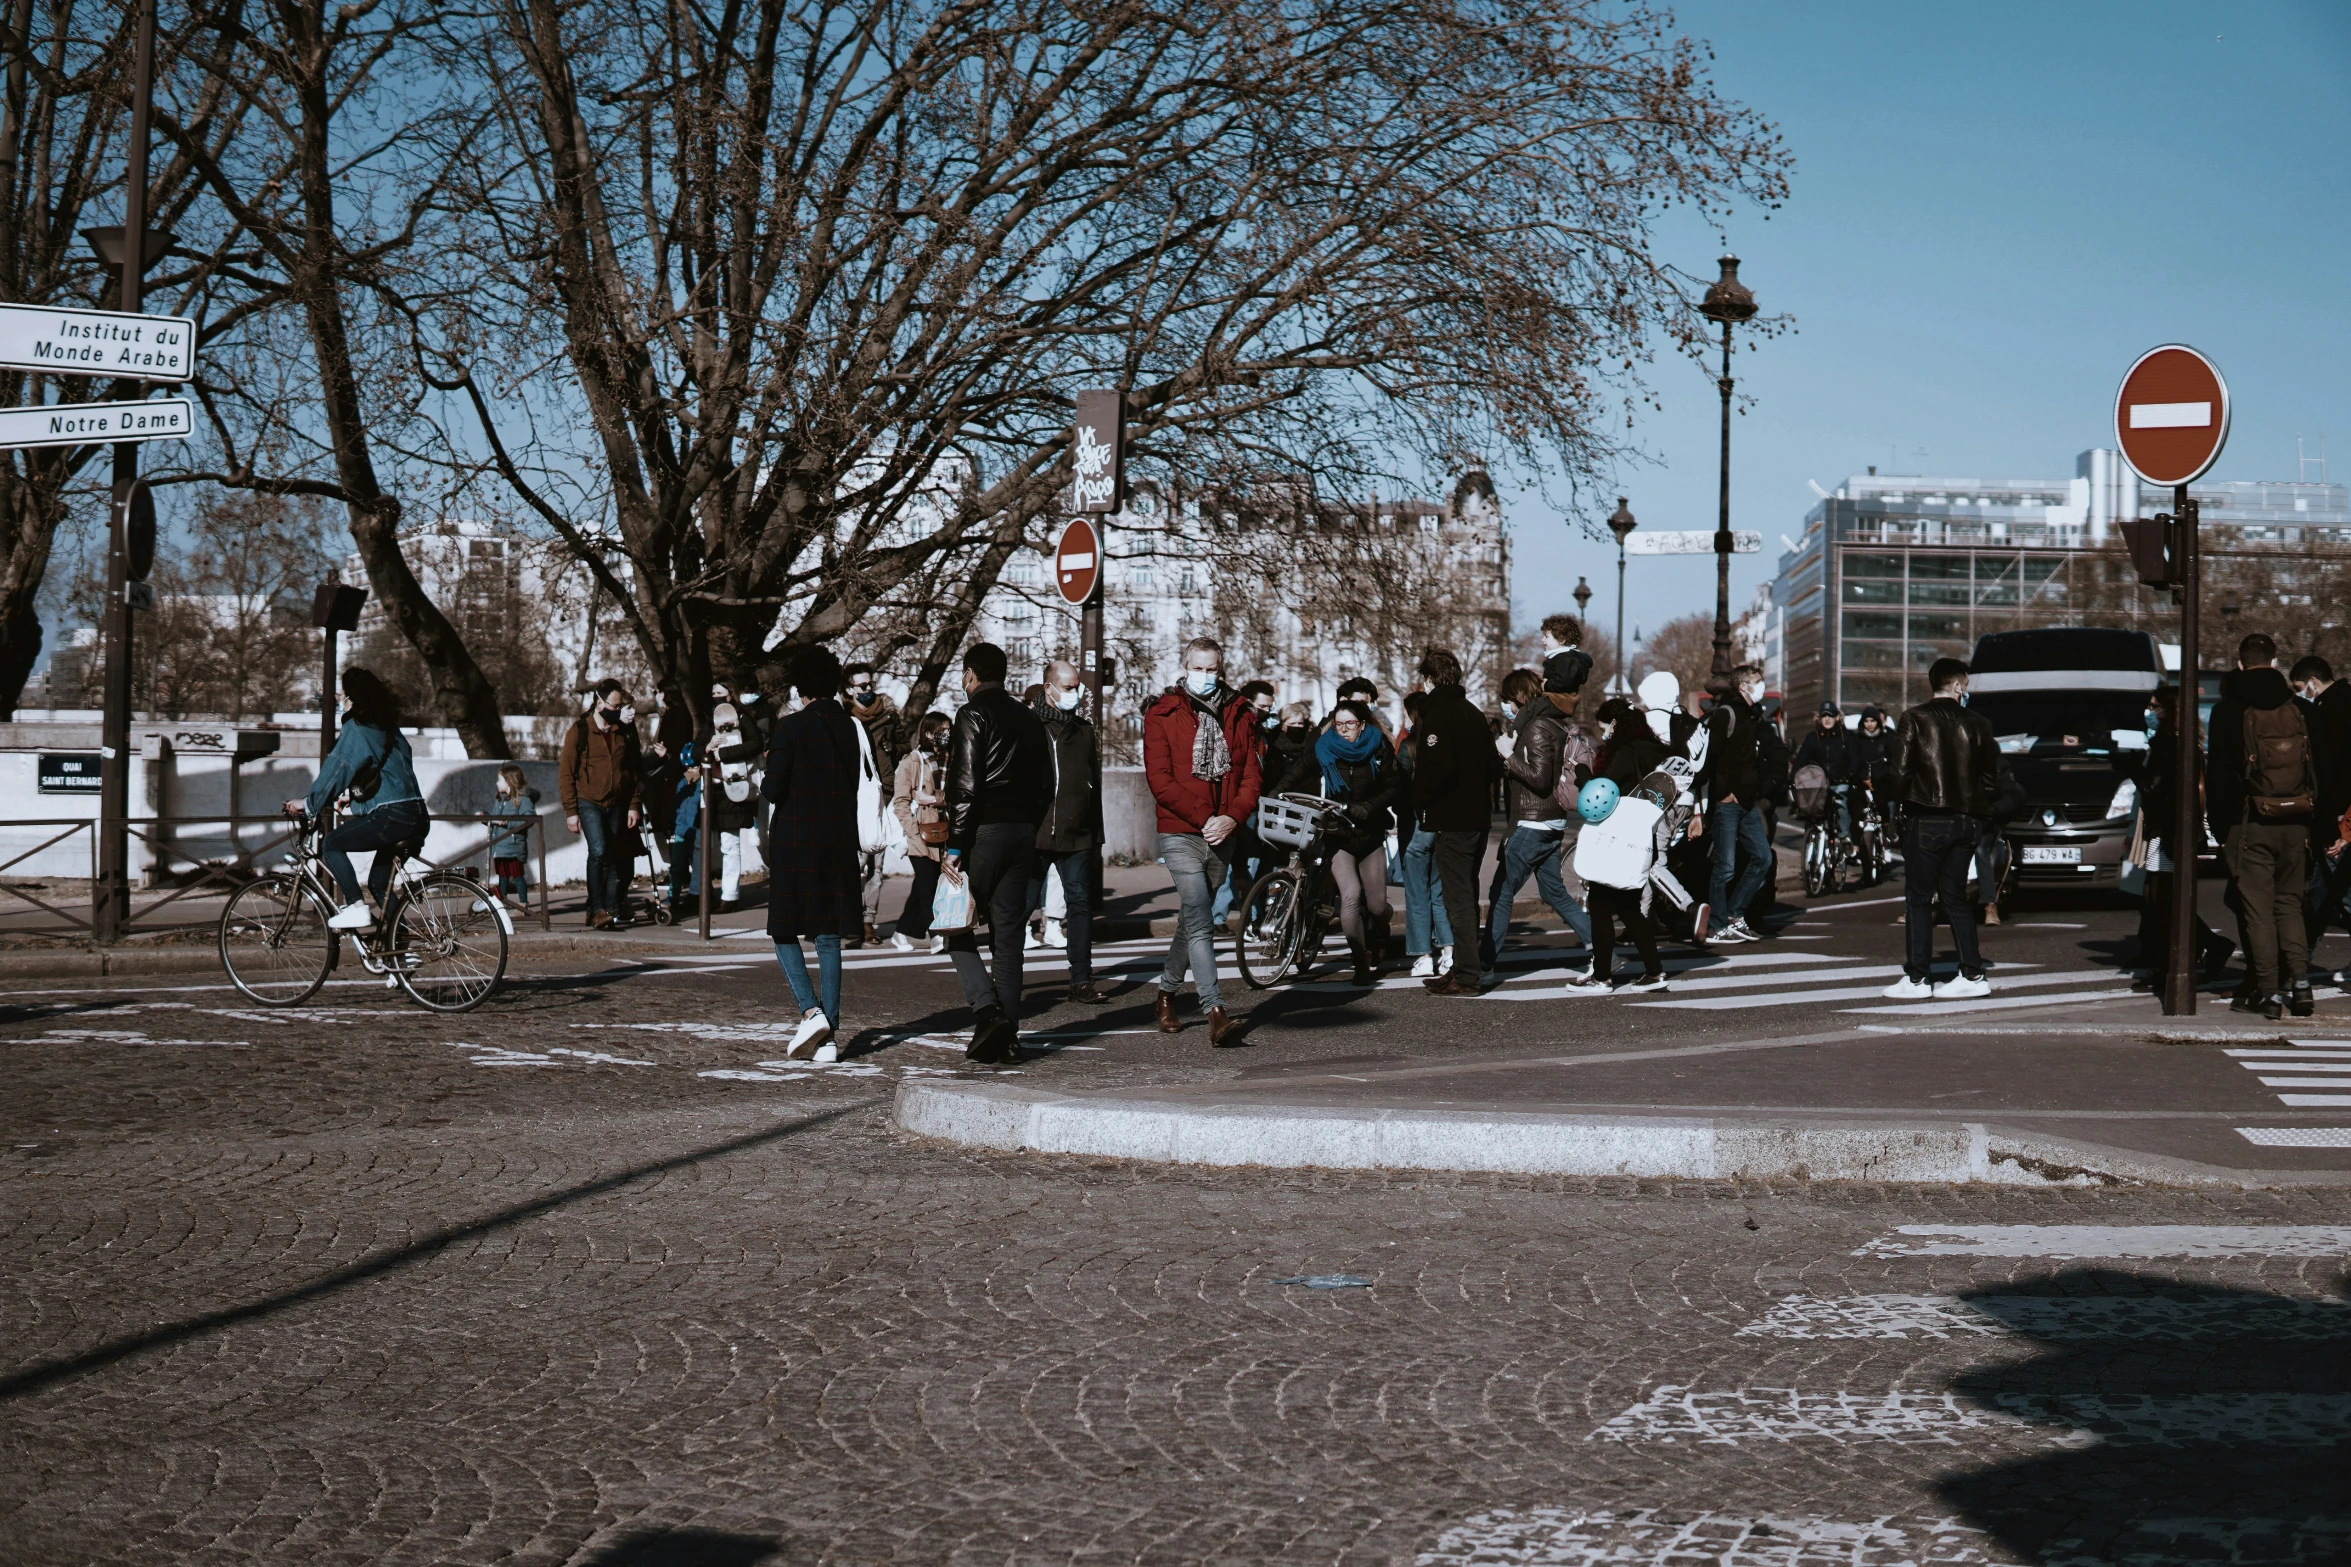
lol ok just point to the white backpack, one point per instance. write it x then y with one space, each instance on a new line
1619 851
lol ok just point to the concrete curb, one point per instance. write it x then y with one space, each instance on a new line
1114 1125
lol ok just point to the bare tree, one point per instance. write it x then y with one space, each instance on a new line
803 260
1683 647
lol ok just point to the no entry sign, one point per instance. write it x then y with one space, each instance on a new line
1077 563
2171 416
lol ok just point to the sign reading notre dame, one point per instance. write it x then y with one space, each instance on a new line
1096 443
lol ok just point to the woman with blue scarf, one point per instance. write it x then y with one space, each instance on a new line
1359 769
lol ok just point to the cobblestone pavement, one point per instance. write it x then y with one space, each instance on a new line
587 1276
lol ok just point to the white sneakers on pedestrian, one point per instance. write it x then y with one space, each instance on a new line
1054 936
1908 989
357 915
1034 940
1644 982
1425 966
814 1030
1961 987
902 943
826 1054
1444 960
1582 979
938 945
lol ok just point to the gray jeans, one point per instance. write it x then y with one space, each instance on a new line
1198 871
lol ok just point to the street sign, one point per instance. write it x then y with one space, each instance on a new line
2171 416
97 342
68 772
1097 441
134 514
1691 541
1077 564
95 424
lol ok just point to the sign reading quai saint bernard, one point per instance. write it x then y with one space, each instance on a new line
97 342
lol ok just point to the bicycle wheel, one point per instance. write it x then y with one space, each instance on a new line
274 941
1818 875
1267 947
448 943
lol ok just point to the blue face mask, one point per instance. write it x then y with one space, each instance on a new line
2151 720
1201 683
1510 711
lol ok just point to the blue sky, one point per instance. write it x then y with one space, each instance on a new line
1996 208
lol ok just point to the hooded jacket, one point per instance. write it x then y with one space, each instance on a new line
1074 820
2241 690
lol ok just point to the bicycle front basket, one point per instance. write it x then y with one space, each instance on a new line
1285 823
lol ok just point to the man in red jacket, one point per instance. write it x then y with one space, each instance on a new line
1200 757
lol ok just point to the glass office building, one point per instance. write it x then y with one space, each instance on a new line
1896 571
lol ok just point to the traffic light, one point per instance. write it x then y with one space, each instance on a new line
2154 546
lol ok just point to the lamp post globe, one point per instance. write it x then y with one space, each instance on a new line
1727 303
1582 596
1621 524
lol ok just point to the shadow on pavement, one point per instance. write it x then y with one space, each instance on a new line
44 1374
2199 1424
684 1548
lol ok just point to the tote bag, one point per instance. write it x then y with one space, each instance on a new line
874 817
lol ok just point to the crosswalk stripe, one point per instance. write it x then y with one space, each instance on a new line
1793 998
2004 1003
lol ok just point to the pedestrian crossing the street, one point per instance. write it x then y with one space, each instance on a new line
1713 980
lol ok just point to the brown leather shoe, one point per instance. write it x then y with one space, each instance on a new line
1092 991
1456 984
1223 1032
599 919
1169 1023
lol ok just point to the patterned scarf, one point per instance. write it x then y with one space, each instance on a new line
1211 757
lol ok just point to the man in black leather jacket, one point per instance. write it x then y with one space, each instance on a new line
1538 824
999 788
1946 776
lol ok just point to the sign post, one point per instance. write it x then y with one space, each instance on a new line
1080 567
2171 418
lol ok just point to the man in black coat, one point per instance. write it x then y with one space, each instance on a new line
999 791
1735 823
2265 840
2327 715
1453 772
1070 837
1947 782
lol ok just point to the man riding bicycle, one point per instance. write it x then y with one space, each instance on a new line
1833 749
371 762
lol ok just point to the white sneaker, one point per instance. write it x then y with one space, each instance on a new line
1424 966
1033 940
1053 934
1733 931
1444 960
1908 989
1961 988
813 1031
1645 982
358 915
1581 979
938 945
826 1054
901 942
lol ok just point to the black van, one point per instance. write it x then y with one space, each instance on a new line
2069 706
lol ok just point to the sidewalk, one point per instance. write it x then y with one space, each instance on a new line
2214 1100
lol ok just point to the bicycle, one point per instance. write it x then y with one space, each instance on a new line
1869 836
1290 910
443 936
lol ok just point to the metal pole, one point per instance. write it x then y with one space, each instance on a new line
2186 833
702 868
326 700
1722 537
1622 681
1090 671
113 895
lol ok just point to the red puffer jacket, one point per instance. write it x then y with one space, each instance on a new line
1170 725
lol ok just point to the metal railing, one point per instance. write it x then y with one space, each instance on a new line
180 873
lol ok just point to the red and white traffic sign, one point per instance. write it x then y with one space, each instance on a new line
1077 564
2171 417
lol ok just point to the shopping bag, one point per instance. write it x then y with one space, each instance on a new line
951 906
873 807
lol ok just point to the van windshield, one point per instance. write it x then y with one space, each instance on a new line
2060 720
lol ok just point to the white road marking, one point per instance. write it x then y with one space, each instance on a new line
2056 1318
1564 1537
2297 1136
2313 1101
1998 1003
1733 1417
2112 1240
1793 998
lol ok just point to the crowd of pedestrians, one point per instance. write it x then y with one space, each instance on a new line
1645 815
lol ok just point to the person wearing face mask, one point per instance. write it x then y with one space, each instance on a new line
1289 766
920 800
1200 756
1947 784
1733 779
734 824
510 846
597 777
878 714
999 789
1069 838
373 767
1538 750
1453 773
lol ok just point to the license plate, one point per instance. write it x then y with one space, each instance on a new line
2052 854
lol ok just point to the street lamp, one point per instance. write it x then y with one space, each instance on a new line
1582 596
1620 524
1728 302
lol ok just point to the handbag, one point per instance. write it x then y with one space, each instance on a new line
2133 878
873 828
